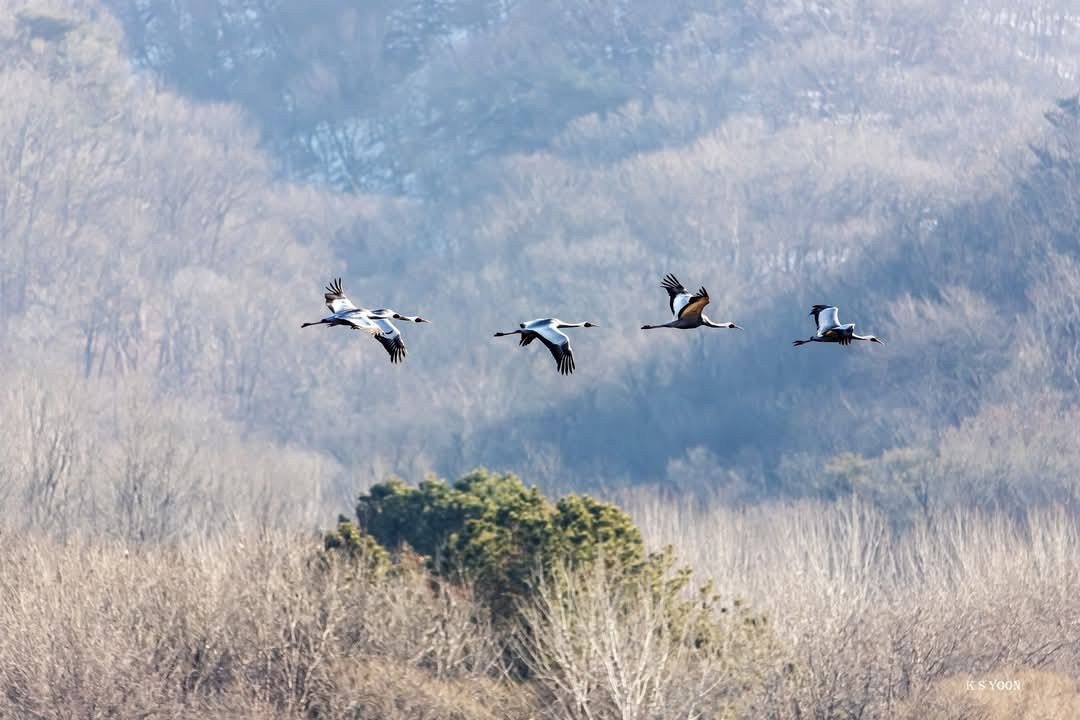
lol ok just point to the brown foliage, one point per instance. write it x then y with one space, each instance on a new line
819 611
234 627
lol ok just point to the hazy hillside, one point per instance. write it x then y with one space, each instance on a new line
814 532
180 179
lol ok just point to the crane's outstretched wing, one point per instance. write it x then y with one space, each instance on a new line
825 317
336 299
696 303
844 333
390 337
559 345
678 297
357 321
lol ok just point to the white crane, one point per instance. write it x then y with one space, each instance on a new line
376 323
829 328
686 308
547 329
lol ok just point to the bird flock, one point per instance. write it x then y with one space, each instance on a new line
687 310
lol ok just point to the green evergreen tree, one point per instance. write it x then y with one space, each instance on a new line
493 531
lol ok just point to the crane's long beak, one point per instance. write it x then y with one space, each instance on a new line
736 327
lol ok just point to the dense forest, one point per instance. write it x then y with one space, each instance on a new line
707 524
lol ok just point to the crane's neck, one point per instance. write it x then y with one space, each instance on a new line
726 326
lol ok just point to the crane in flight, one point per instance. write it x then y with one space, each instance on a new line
688 310
548 330
830 330
377 323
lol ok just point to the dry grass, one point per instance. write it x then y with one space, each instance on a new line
868 617
1024 695
862 622
232 629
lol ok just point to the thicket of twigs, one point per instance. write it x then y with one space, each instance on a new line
819 611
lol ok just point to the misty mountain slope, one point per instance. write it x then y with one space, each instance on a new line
156 253
942 287
406 96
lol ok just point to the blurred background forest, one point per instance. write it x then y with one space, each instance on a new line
178 180
815 533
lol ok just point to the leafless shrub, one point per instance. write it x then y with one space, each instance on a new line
240 626
867 615
604 646
860 619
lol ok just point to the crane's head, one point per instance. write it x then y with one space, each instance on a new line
589 324
399 316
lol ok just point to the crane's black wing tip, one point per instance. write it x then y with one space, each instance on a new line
334 288
672 284
566 363
563 354
394 347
